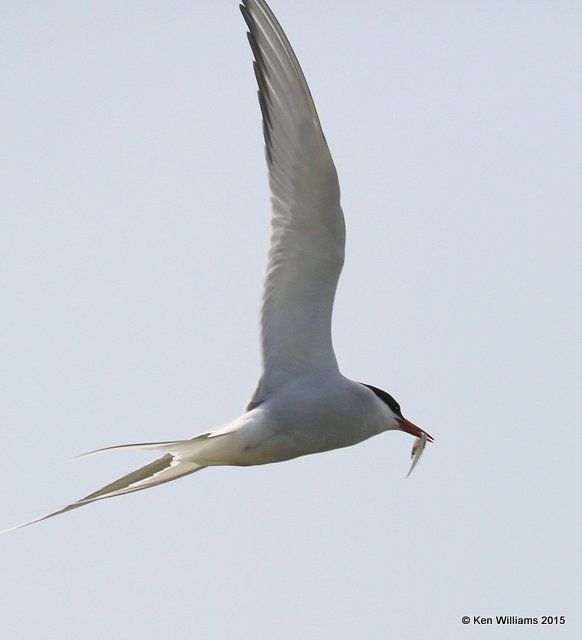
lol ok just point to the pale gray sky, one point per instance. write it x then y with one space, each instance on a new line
133 234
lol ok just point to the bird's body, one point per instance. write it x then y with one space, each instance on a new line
308 416
302 404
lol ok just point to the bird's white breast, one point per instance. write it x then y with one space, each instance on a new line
308 416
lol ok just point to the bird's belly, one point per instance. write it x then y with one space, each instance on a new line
265 446
297 423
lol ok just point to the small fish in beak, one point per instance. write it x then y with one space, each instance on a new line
417 449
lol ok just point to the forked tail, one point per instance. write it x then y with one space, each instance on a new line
164 469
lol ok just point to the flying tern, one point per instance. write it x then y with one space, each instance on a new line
302 403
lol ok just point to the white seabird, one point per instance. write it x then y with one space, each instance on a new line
302 403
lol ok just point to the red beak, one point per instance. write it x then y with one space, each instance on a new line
412 429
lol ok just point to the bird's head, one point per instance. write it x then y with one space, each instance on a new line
398 420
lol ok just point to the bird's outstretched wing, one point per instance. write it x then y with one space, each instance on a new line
306 251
